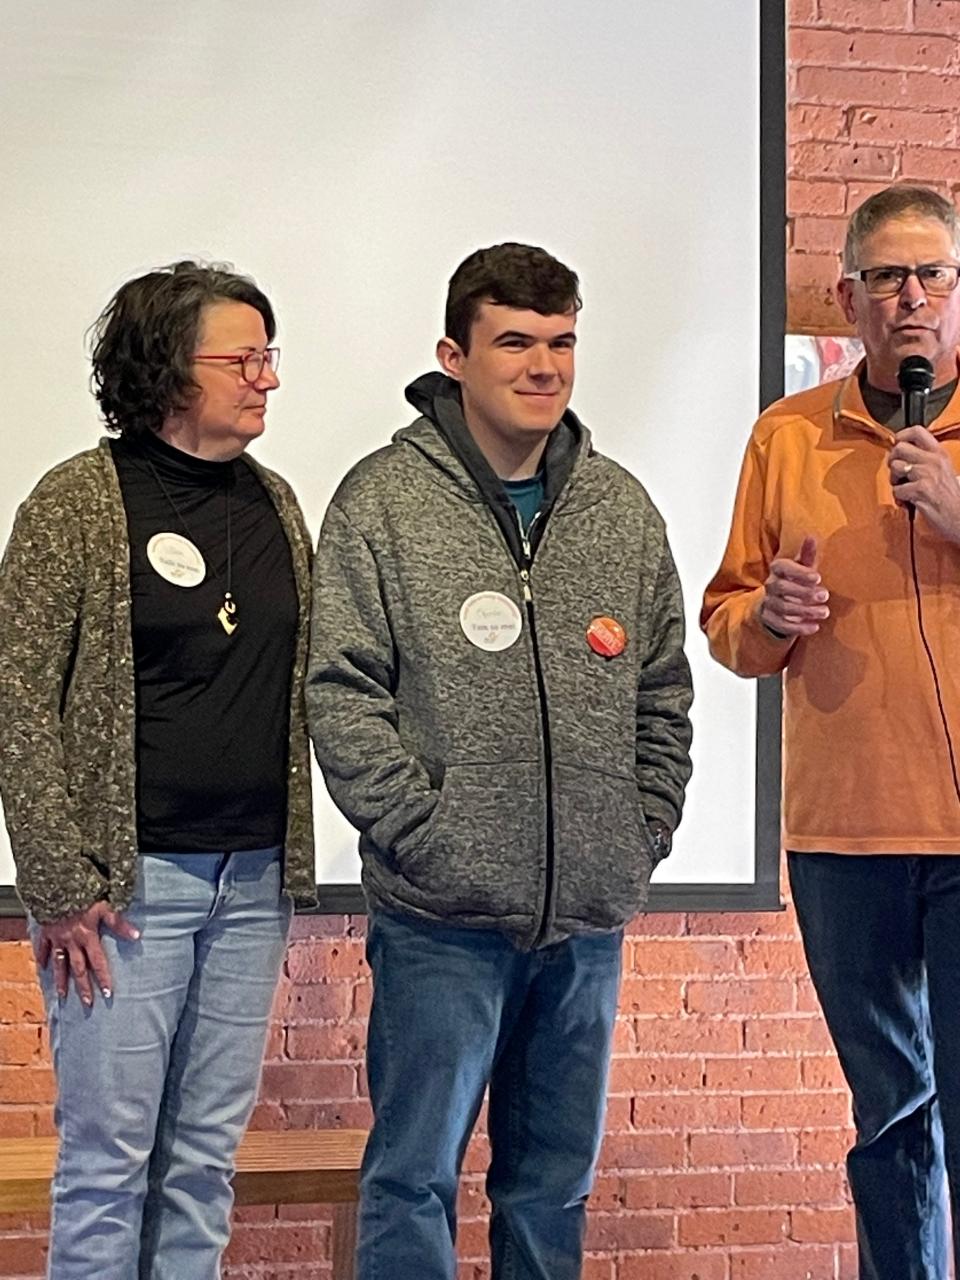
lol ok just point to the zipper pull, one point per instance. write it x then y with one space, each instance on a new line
525 579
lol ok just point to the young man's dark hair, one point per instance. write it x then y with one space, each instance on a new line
511 275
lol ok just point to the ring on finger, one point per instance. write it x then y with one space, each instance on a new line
60 957
907 468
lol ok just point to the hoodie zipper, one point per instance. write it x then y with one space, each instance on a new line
544 726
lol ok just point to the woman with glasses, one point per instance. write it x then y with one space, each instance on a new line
154 769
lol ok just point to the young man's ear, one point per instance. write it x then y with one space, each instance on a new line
451 358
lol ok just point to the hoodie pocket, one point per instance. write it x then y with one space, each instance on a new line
604 854
482 850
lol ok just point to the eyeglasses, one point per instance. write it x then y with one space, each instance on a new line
936 278
251 362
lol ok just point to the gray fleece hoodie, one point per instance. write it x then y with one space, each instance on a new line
506 789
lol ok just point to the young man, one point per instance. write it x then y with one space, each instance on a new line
498 697
817 582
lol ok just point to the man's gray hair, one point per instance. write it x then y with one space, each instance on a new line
894 202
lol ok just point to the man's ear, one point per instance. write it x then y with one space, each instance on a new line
451 358
845 298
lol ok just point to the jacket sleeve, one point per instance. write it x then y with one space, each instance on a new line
736 637
663 703
378 786
41 589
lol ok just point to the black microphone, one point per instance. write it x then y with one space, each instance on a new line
915 377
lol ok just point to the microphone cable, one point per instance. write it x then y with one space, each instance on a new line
911 514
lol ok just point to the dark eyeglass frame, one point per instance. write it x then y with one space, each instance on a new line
900 276
251 362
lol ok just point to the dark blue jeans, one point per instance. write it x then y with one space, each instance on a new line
882 937
453 1010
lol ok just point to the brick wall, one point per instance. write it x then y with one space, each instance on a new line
727 1115
874 98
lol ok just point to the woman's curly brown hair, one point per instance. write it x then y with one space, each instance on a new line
145 338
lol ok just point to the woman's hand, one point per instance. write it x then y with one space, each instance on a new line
74 944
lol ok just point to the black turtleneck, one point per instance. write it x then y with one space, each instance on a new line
212 708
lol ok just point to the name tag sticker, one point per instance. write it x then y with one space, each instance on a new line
491 620
176 559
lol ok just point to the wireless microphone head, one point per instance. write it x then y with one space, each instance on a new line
915 374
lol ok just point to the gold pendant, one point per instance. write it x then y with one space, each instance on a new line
228 614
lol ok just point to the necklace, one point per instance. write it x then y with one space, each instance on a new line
227 613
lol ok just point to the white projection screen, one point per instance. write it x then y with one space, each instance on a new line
348 154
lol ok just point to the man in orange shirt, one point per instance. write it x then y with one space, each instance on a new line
842 571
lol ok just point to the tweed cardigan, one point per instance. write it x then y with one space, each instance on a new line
68 700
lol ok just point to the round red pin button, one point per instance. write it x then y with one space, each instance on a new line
607 637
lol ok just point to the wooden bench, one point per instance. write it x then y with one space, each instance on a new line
273 1167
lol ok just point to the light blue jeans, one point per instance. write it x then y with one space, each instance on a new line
155 1086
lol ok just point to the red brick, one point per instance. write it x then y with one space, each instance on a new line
619 1115
795 1111
362 997
345 1114
822 1226
730 1150
852 87
842 159
24 1255
20 1002
926 89
848 1262
326 1041
282 1243
801 1034
20 1045
818 235
930 163
689 1265
684 957
813 199
17 964
774 957
797 1262
17 1122
807 1001
295 1081
649 1151
822 1073
807 122
629 1231
686 1190
815 270
915 52
808 45
733 1226
651 995
608 1194
897 128
790 1187
689 1035
890 15
684 1110
656 925
755 995
825 1146
325 959
659 1074
799 11
26 1084
749 924
937 15
318 1003
598 1267
752 1075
